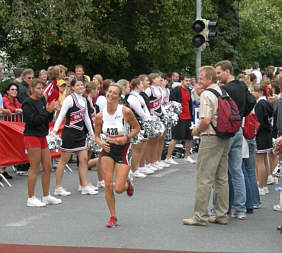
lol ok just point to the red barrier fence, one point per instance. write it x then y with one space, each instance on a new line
11 143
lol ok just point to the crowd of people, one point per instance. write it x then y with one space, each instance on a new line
234 171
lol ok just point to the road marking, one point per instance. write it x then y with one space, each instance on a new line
161 174
26 221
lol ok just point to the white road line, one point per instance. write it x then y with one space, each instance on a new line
26 221
161 174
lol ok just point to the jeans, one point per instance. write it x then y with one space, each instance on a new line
250 171
237 187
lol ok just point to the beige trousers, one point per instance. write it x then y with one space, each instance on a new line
212 168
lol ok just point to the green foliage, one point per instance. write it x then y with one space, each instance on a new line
123 38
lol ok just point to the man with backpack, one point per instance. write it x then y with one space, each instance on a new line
238 91
212 156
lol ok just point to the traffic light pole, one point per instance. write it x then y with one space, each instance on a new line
198 50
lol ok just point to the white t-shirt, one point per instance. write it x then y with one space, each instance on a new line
258 75
101 102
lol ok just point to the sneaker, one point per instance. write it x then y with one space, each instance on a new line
50 200
277 208
158 165
130 188
90 185
239 215
270 180
88 190
151 167
261 191
276 180
257 206
266 190
101 184
139 174
60 191
171 161
146 170
164 164
277 171
22 172
111 222
190 160
34 202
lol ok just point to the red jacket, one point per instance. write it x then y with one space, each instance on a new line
12 105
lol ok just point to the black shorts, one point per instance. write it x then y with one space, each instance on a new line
182 130
120 154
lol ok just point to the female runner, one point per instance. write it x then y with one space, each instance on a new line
74 108
114 122
37 116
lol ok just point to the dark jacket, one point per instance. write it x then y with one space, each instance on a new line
36 117
22 92
239 92
277 118
175 95
264 112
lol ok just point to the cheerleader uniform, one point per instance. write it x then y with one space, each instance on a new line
165 96
155 100
74 108
264 111
114 126
93 110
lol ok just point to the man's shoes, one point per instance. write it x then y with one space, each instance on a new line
171 161
60 191
34 202
213 219
192 222
130 188
190 160
239 215
50 200
250 210
111 222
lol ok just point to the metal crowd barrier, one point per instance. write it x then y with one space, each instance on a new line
15 117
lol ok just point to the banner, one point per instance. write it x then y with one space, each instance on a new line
12 145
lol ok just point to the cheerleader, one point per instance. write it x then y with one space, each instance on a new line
137 104
114 122
263 111
154 92
74 108
91 90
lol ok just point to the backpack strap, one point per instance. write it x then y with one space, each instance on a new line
224 92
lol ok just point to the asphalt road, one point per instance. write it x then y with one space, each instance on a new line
151 219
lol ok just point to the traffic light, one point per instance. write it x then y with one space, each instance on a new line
202 28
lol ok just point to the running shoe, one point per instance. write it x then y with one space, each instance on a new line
34 202
60 191
130 188
50 200
111 222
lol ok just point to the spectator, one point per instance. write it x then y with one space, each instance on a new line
18 75
257 72
37 115
212 157
63 71
79 73
182 131
43 75
101 100
174 79
238 91
10 102
51 91
23 91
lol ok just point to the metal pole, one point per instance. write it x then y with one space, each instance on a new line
198 50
